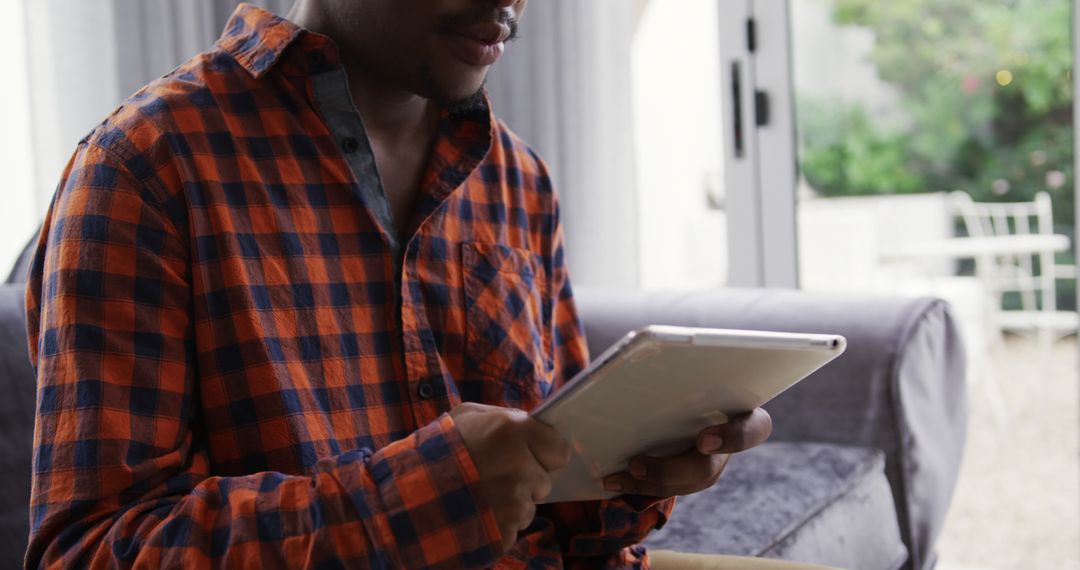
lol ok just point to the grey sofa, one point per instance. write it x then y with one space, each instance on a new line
859 472
865 453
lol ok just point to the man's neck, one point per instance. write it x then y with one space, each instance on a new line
391 114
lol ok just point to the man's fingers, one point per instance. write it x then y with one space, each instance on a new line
508 540
526 516
689 469
741 433
542 486
626 484
671 478
547 445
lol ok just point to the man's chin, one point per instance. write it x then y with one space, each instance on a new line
457 93
469 104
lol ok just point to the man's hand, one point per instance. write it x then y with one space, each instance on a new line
514 455
697 469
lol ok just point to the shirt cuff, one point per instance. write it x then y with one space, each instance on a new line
641 504
435 513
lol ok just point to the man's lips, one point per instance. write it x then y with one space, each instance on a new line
479 45
486 33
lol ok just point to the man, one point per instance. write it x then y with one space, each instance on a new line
265 289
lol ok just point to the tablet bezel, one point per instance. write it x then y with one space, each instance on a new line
632 341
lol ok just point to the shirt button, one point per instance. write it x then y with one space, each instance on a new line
426 391
350 145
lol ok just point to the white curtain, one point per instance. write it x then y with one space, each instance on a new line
565 88
86 56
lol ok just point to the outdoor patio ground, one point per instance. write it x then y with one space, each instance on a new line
1018 502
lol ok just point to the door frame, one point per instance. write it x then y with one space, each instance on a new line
761 163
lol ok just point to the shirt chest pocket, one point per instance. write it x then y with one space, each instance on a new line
508 322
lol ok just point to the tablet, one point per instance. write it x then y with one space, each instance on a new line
657 388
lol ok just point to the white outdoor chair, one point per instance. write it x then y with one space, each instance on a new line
840 250
1034 277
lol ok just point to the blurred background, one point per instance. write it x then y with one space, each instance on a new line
909 147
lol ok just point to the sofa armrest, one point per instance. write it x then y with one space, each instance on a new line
900 387
17 408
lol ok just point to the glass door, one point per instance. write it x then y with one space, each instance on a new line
710 88
936 157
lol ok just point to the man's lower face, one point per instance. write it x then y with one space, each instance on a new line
457 89
469 104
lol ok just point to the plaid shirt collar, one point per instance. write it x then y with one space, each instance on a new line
259 41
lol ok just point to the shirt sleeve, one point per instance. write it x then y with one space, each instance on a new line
121 476
595 534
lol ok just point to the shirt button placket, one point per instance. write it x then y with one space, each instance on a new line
426 391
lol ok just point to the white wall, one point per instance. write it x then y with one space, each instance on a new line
678 125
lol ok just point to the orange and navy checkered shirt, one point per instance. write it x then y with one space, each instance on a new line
240 364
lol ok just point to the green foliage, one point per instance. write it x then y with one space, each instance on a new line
996 136
844 151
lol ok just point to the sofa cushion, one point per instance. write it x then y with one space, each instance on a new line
16 427
794 501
